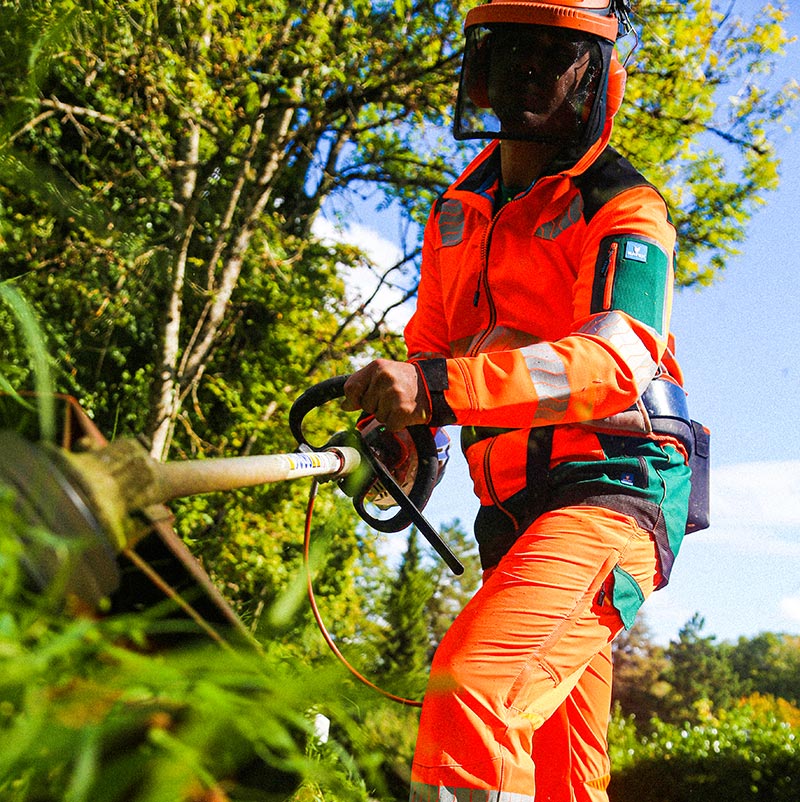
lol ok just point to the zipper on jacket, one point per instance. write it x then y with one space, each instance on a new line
483 278
609 271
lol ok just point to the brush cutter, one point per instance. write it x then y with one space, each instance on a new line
82 508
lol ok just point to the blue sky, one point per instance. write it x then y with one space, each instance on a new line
739 345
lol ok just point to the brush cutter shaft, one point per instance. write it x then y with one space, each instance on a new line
178 479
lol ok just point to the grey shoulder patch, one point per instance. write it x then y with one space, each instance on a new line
553 228
451 223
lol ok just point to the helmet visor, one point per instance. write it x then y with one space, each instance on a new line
529 82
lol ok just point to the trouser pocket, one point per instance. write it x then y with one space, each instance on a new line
626 596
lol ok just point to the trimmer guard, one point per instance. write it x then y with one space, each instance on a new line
47 495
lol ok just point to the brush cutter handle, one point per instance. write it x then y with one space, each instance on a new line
313 397
410 505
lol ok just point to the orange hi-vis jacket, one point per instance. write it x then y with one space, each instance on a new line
539 324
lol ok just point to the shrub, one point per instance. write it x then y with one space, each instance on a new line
750 752
89 710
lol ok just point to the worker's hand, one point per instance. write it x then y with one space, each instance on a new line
391 391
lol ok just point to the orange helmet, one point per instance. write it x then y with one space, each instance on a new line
538 71
598 17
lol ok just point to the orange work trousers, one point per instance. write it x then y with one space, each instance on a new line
523 675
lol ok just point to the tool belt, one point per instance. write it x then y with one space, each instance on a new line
662 409
668 411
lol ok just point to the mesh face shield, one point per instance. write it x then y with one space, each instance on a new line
532 82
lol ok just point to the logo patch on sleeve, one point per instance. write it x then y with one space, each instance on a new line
633 275
636 251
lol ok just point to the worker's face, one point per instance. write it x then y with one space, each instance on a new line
537 80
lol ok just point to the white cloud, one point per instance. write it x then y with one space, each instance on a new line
790 608
666 611
757 494
361 280
380 250
755 507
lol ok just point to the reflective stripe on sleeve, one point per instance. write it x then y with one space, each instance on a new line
549 376
614 328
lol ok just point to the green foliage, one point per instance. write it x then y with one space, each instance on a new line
451 592
162 168
194 144
404 657
95 710
698 672
39 360
639 687
678 682
384 743
740 753
162 165
700 109
769 664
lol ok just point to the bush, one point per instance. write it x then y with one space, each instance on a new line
90 711
750 752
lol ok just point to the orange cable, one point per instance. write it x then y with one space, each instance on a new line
318 617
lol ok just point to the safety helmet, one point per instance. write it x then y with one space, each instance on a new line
537 71
597 17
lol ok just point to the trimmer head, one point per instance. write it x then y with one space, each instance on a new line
85 540
66 549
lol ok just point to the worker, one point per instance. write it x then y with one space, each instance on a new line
542 330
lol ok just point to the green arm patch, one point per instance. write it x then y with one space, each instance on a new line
631 275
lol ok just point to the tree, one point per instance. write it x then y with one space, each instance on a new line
164 163
699 115
400 668
769 664
638 665
699 674
185 151
405 653
742 752
451 592
163 166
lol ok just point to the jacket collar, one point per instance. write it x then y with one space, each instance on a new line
480 179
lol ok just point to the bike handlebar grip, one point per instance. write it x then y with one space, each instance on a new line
313 397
